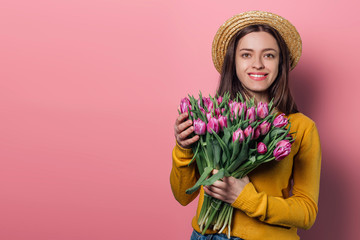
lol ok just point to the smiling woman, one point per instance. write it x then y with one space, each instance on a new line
257 61
254 52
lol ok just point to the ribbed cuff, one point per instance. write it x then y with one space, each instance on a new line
182 156
244 201
183 152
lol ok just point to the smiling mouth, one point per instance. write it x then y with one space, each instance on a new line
258 76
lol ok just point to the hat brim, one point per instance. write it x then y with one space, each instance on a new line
226 31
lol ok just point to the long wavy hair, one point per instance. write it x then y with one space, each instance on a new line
279 91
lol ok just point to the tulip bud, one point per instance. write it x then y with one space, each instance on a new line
219 100
184 104
213 124
208 103
208 116
217 112
222 122
238 134
199 127
200 102
280 121
262 110
257 133
264 127
250 114
284 143
234 108
283 148
249 130
261 148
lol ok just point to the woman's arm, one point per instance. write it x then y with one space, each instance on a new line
299 210
183 176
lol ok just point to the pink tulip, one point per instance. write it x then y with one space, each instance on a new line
222 122
238 134
261 148
208 103
217 112
280 121
250 114
283 148
199 127
200 102
219 100
213 124
184 104
264 127
242 108
257 133
236 108
249 130
284 143
208 116
262 110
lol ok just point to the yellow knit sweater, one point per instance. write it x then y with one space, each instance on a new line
266 209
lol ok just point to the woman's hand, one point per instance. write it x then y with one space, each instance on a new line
228 189
183 129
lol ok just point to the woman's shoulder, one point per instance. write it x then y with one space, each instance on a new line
300 118
300 122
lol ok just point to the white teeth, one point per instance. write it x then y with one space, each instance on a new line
254 75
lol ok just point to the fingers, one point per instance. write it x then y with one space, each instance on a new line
181 124
183 129
213 194
228 189
188 142
181 118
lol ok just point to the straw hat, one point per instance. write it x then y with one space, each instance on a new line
226 31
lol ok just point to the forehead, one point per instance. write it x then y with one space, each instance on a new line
258 41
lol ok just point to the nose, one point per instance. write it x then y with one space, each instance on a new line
258 63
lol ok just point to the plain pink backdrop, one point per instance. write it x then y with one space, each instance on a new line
88 99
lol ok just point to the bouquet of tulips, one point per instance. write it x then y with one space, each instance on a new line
236 136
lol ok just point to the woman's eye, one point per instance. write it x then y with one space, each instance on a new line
269 55
245 55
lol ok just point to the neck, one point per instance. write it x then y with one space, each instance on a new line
261 97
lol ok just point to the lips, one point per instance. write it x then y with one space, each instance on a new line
258 76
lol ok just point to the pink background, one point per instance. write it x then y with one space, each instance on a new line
88 99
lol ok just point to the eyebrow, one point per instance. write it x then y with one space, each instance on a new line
264 50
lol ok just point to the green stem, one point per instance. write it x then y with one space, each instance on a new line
204 207
223 213
215 205
230 219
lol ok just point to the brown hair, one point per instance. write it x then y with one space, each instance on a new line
279 90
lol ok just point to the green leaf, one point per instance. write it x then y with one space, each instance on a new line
213 178
196 152
217 152
240 159
222 144
203 176
236 150
252 159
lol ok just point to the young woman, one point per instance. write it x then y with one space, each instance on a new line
254 52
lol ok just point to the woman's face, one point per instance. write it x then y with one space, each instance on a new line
257 61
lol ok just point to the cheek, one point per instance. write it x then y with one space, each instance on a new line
275 69
240 67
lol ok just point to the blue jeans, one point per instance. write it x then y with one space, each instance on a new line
197 236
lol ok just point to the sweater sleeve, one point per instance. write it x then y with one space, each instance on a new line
301 208
183 176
